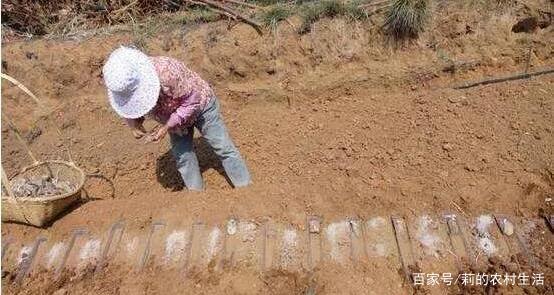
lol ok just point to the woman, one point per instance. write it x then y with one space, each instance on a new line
165 90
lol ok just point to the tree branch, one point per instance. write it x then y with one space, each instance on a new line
503 79
222 9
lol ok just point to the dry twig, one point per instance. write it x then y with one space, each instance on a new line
504 79
225 10
249 5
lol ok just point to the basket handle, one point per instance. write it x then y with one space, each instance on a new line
18 135
20 138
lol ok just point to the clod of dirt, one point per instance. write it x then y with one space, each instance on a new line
33 134
456 99
31 55
507 227
40 186
530 24
447 147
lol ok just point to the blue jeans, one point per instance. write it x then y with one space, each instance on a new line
210 124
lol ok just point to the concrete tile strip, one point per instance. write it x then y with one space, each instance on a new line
115 234
76 233
270 246
338 243
147 247
27 261
313 231
358 249
175 248
198 259
380 238
458 241
404 246
521 233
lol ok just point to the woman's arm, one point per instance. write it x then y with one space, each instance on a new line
183 116
186 113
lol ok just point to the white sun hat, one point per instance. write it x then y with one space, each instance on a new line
132 82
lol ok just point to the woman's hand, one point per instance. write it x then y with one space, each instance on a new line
136 127
138 133
158 134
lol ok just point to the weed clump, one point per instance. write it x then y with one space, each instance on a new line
405 19
328 8
274 15
267 2
200 15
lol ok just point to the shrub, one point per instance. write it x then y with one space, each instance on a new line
274 15
202 15
405 19
311 13
328 8
353 11
331 8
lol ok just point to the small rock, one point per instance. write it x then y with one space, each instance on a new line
470 168
30 55
33 134
232 226
421 100
456 99
507 228
447 147
61 291
526 25
314 226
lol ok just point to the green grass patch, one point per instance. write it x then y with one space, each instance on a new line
200 14
312 12
274 15
406 19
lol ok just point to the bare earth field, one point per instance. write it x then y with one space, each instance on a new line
335 123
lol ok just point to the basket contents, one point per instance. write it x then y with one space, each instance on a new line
40 186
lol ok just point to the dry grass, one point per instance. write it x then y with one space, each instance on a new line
405 19
73 19
40 17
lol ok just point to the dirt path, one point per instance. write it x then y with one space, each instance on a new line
333 123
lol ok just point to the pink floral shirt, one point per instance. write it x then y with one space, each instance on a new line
183 95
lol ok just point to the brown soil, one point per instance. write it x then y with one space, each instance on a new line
334 123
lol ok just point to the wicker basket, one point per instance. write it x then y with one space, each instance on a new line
40 211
